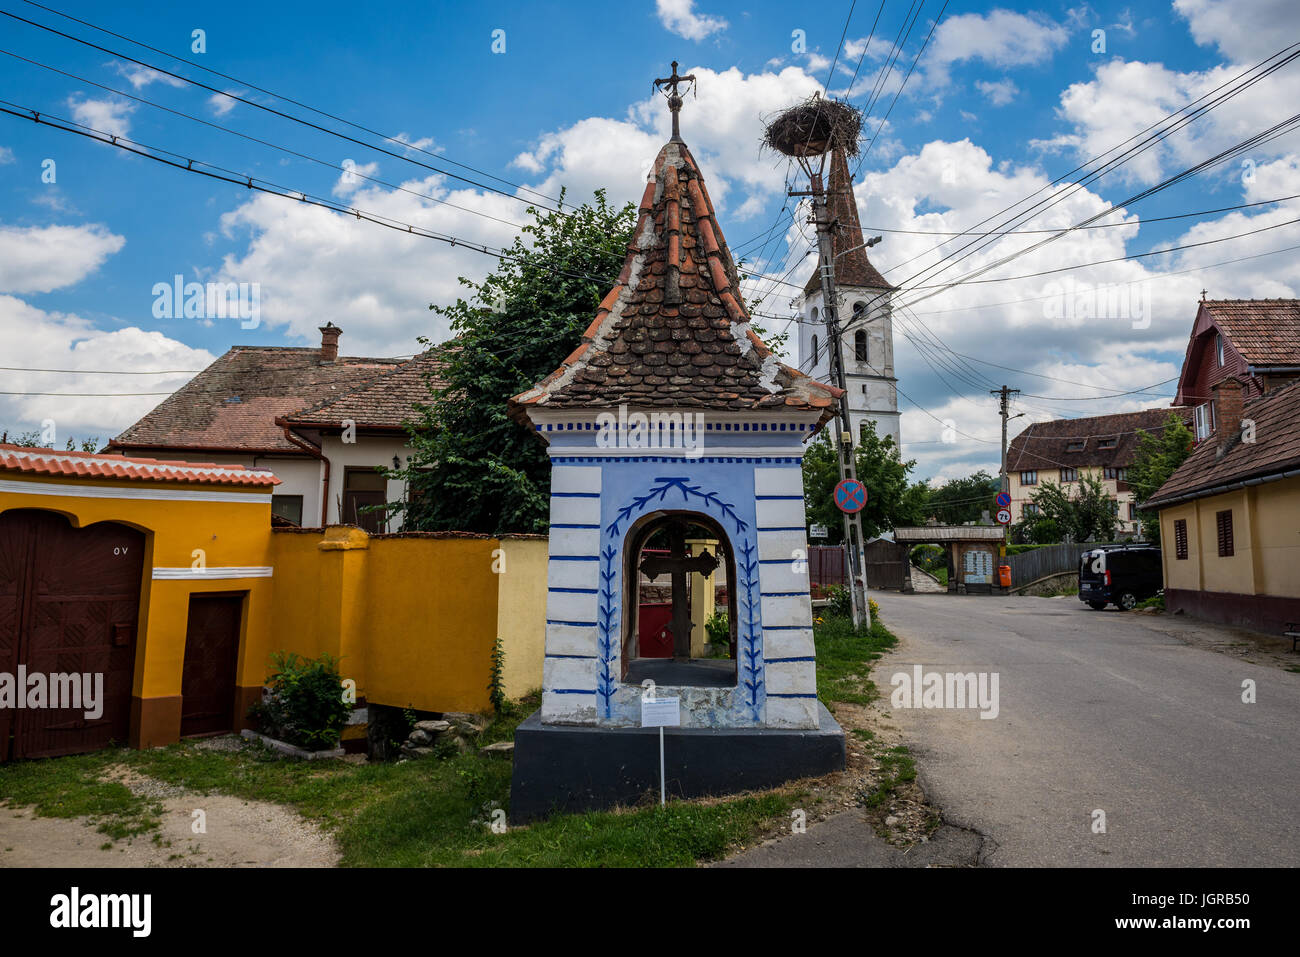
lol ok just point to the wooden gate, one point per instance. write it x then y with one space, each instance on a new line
886 564
69 603
211 657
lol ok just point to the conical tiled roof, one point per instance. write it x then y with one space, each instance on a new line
674 331
852 267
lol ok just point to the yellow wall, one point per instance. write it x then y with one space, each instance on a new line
1266 542
521 613
412 618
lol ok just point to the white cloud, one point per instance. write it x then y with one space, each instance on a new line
1001 38
6 155
44 258
1243 32
104 116
140 76
679 17
999 92
221 104
37 339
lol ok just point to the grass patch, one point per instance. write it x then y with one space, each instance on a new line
896 768
74 786
844 657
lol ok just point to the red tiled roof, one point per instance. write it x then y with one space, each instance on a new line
852 267
384 402
105 465
232 405
1276 449
1264 331
1046 445
674 330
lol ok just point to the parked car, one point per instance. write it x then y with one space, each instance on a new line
1119 574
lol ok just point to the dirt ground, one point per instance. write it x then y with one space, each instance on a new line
238 833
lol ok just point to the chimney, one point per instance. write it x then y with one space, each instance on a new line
329 342
1227 413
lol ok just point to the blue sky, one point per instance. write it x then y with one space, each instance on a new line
1005 98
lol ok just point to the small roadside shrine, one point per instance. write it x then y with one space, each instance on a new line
671 423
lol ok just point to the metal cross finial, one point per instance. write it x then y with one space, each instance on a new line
1203 292
671 83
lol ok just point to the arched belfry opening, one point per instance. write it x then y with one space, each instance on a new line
679 582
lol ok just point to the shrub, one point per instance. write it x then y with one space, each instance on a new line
305 706
841 605
718 628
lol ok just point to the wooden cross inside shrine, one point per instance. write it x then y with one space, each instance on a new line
674 95
679 564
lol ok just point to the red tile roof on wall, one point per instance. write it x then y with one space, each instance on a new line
852 267
105 465
674 330
1276 449
1044 444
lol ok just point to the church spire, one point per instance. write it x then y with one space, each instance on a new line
852 267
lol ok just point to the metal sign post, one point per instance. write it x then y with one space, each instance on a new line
661 712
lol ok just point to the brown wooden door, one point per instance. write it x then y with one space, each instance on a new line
211 657
74 594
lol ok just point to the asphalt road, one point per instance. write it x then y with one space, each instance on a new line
1100 711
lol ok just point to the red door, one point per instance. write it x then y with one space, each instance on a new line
211 657
69 602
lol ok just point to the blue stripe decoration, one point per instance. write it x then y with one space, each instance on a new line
771 694
574 558
575 591
605 643
582 657
565 459
559 525
751 657
769 498
788 627
783 528
574 624
569 691
777 661
575 495
783 594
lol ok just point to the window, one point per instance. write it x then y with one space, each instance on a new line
287 507
1204 419
1028 478
1107 443
1076 446
1119 475
815 343
859 346
858 309
1031 509
814 314
1218 348
1069 475
1180 539
1223 524
1114 508
1132 511
363 487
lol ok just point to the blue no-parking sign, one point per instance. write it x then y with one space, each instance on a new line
850 496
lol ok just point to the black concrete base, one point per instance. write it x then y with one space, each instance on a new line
565 768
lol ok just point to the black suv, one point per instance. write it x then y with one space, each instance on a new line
1120 574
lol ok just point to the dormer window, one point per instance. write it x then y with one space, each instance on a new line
1107 443
1076 446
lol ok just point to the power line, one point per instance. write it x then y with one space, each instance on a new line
275 112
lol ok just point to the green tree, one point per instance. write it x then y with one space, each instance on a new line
1158 457
891 500
472 467
1087 516
962 500
33 440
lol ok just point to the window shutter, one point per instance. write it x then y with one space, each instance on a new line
1223 523
1180 539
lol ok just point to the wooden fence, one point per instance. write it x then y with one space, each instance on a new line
1048 560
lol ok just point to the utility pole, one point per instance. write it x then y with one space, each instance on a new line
1005 395
854 540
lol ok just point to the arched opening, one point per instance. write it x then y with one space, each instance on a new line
860 346
815 346
679 596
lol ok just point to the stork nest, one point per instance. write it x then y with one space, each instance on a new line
813 127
